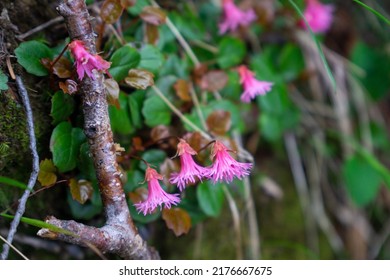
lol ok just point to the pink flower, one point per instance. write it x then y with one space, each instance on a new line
233 17
252 87
318 16
189 169
224 167
156 196
86 62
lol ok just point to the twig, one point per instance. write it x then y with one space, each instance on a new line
236 222
39 28
302 189
35 167
13 247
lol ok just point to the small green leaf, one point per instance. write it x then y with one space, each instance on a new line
29 55
120 118
156 112
12 182
85 163
135 101
62 106
211 198
154 157
123 59
362 180
65 145
3 81
231 52
138 7
151 59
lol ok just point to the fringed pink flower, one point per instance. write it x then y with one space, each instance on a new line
225 167
252 87
190 170
86 62
233 17
318 16
156 196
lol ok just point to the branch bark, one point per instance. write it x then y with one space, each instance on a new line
119 235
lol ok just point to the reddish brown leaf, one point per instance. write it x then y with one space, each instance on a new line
69 87
80 190
162 132
137 144
139 195
127 3
199 72
152 34
167 168
177 220
265 11
111 11
182 89
63 68
47 173
214 80
197 142
112 89
139 78
219 122
153 15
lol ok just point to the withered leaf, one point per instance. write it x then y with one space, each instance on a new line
81 190
182 89
112 89
111 11
152 34
159 133
63 68
47 173
214 80
139 78
139 195
153 15
167 168
177 220
127 3
219 122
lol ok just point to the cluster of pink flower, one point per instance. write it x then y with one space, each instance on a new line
224 168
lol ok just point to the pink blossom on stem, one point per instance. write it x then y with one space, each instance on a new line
85 61
234 17
156 196
252 87
190 170
318 16
225 167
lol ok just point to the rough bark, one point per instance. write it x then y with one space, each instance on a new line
119 235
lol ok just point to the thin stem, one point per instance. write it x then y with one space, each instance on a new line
236 221
205 46
13 248
35 167
195 99
40 28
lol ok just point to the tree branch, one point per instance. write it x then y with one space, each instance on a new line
119 235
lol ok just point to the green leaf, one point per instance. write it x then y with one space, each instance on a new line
188 24
156 112
154 157
139 217
378 14
211 198
362 180
151 59
83 211
135 101
3 81
12 182
62 106
65 145
29 55
231 52
85 163
290 62
40 224
120 118
138 7
123 59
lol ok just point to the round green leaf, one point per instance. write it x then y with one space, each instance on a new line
29 55
120 118
362 180
65 145
231 52
151 59
156 112
62 106
3 81
123 60
210 198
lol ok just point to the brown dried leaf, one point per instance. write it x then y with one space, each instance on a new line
214 80
152 34
139 195
137 144
112 89
69 87
139 78
162 132
153 15
80 190
199 72
127 3
63 68
197 142
47 173
182 89
111 11
219 122
167 168
177 220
